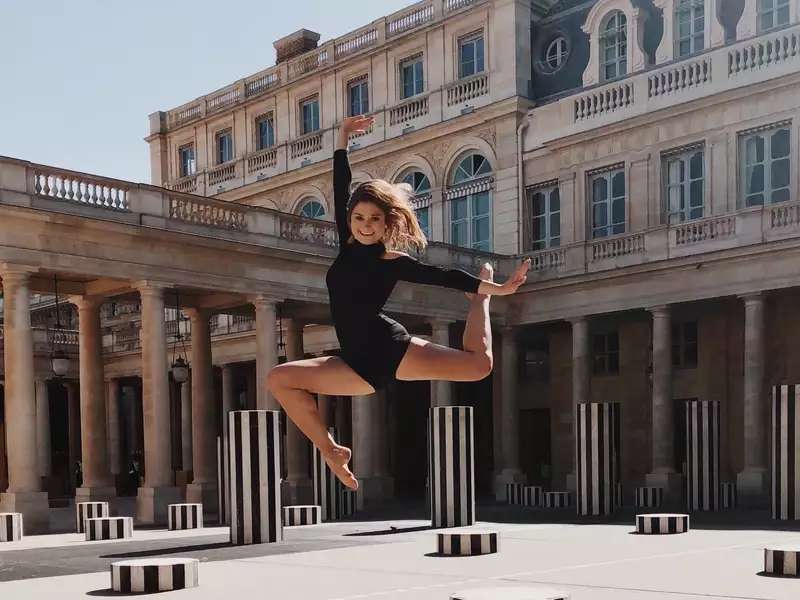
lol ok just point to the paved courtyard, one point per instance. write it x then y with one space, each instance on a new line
394 558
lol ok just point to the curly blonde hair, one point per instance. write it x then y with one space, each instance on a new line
394 199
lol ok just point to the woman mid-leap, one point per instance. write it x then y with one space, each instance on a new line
374 224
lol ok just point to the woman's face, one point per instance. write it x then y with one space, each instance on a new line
367 223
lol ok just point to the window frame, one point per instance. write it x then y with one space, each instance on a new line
471 196
307 202
621 57
270 118
360 83
607 174
691 7
412 61
768 190
463 41
533 244
218 149
776 6
418 193
685 155
602 363
682 355
189 171
307 101
561 57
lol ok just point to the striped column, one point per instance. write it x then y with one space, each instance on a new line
254 467
557 499
327 487
649 497
302 515
11 528
452 466
597 428
349 502
662 524
785 448
702 455
152 575
467 543
89 510
184 516
514 493
782 560
108 528
224 517
532 495
727 493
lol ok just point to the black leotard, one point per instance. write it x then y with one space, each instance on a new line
359 283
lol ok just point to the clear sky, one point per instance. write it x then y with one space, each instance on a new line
79 77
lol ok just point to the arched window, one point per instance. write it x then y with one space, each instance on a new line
312 209
556 54
690 24
470 203
614 46
421 187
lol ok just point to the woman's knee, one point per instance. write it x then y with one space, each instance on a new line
483 363
278 377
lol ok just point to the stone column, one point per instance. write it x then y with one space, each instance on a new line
325 407
662 472
24 493
203 488
73 427
581 380
112 425
343 421
43 430
297 489
753 482
184 476
508 471
158 490
227 394
266 349
369 434
441 391
97 481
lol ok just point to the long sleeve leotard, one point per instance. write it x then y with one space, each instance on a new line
360 281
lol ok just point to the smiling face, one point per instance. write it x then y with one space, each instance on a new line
367 223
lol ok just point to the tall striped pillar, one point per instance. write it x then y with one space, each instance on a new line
702 455
254 467
327 487
452 466
224 516
785 448
597 447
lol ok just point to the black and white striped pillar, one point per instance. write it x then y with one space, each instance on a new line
702 455
557 499
533 495
649 497
89 510
224 516
108 528
785 450
597 438
727 494
302 515
782 560
349 502
467 543
327 487
152 575
184 516
662 523
11 527
254 466
514 493
452 466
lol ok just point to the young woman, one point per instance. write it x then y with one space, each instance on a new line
374 225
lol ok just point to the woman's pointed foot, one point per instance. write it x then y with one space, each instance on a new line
337 460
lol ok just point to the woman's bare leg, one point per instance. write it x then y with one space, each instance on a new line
293 385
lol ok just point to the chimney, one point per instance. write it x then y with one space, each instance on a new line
294 44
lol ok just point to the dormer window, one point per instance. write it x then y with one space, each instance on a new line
614 46
690 25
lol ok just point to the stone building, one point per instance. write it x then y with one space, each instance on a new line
642 152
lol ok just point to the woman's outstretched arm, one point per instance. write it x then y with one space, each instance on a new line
341 173
410 269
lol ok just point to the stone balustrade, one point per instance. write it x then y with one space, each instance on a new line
222 173
80 188
308 144
263 159
467 89
711 73
408 111
409 19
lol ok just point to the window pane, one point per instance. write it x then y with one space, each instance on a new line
755 179
458 209
479 55
555 200
555 224
780 173
780 195
599 190
696 165
696 194
480 203
780 144
754 150
423 215
458 234
538 204
618 184
480 230
618 211
538 232
600 215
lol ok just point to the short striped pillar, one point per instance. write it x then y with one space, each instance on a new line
452 466
510 593
302 515
782 560
702 455
649 497
785 449
327 487
727 494
152 575
224 516
533 495
11 527
467 543
254 466
514 493
662 524
557 499
597 435
349 502
89 510
109 528
184 516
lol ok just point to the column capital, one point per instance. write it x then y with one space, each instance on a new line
198 313
660 311
16 273
753 298
578 320
439 323
86 302
150 288
264 300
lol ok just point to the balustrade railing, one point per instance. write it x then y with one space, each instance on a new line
545 260
308 63
704 230
765 51
179 116
187 185
409 19
201 211
306 145
314 231
784 215
261 83
606 100
451 5
467 89
356 42
264 159
617 246
222 173
680 77
225 98
79 188
408 111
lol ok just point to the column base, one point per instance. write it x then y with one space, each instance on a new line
34 507
373 490
671 482
507 476
204 493
297 491
96 494
151 503
752 488
183 478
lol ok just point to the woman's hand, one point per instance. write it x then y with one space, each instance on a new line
357 124
517 279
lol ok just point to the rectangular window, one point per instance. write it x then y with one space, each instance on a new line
411 77
605 353
470 55
684 345
358 93
224 145
684 186
309 115
187 164
424 219
470 221
608 203
690 27
766 166
265 132
544 208
537 360
772 14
